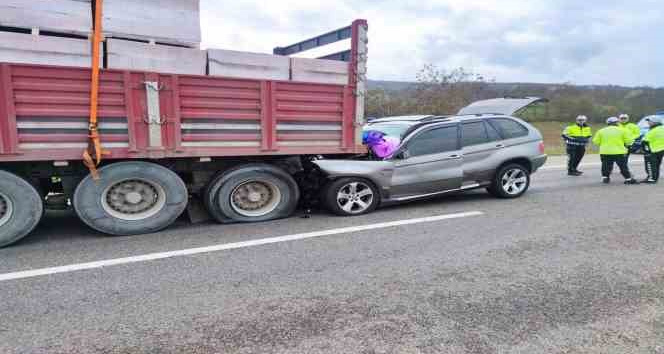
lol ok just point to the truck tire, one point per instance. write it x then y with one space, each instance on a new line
21 208
252 193
131 198
511 181
351 196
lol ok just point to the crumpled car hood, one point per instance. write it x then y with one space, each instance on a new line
380 172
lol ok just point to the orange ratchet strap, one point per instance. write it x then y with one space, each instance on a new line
93 154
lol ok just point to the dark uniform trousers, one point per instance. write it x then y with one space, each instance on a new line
653 164
609 160
575 154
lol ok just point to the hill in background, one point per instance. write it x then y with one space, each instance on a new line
566 100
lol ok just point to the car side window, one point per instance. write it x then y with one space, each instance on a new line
508 128
434 141
473 133
493 133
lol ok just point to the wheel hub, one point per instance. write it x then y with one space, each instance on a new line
514 181
133 199
355 198
6 209
252 196
255 198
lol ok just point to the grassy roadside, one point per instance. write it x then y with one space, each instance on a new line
553 143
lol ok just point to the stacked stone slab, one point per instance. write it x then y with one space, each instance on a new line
23 20
146 35
230 63
122 54
59 16
44 50
143 35
154 35
174 22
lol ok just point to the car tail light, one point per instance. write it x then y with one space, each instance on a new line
541 147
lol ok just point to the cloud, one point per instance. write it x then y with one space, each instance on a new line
586 42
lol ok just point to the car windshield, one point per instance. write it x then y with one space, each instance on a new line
392 129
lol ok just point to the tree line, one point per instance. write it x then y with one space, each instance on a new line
438 91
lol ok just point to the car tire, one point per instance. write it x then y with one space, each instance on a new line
252 193
511 181
21 208
131 198
351 196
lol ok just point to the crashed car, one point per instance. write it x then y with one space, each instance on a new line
483 146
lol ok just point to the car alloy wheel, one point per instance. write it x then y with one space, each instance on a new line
514 181
355 197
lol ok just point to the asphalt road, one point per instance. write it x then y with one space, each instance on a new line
572 267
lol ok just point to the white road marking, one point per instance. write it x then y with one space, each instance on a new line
590 164
229 246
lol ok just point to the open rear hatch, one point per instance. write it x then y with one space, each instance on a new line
504 106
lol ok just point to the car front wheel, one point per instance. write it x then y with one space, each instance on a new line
511 181
351 196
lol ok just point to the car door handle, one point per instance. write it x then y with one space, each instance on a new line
500 146
455 156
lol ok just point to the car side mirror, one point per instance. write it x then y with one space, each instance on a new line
402 155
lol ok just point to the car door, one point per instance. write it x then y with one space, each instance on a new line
480 143
429 162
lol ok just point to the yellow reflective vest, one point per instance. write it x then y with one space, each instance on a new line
577 131
577 135
655 139
632 129
612 140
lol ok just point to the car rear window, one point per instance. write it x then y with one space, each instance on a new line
509 128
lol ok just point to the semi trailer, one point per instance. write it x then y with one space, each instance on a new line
237 145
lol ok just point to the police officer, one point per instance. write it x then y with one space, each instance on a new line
613 142
632 130
653 145
577 137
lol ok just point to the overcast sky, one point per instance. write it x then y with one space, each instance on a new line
579 41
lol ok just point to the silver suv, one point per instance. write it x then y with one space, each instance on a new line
483 146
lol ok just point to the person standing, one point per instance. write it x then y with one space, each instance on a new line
613 142
577 137
632 130
653 145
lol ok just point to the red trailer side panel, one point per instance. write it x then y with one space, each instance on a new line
44 111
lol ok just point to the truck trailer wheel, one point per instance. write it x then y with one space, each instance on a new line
252 193
131 198
21 208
